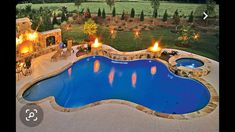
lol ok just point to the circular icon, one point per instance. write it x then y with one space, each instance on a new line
31 115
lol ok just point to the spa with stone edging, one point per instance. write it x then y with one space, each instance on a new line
187 71
114 54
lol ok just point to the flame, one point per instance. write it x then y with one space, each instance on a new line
133 79
19 40
24 50
32 36
111 76
155 47
96 66
26 47
96 43
153 70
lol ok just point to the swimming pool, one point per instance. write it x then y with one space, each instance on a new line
189 62
145 82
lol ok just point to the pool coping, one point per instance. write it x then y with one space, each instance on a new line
210 107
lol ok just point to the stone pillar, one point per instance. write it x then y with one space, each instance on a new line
95 50
156 54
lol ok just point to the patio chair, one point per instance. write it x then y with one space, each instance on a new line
174 53
27 70
56 56
18 71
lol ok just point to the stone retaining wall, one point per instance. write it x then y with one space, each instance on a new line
125 56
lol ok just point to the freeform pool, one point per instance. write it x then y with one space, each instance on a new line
145 82
189 62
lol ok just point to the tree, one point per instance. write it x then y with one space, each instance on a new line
155 5
155 13
28 9
90 28
114 12
17 11
190 19
132 13
123 15
110 3
54 20
99 13
46 24
103 14
78 3
142 16
165 16
40 9
64 9
64 14
210 7
176 18
63 17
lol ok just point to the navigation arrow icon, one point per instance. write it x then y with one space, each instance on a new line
205 15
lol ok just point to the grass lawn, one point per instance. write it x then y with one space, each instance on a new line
125 41
120 6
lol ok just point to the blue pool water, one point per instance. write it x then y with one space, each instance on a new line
189 62
145 82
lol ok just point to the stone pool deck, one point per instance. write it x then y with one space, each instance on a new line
111 117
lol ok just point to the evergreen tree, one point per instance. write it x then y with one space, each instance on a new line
142 16
99 12
88 13
155 13
165 16
190 19
123 15
176 18
103 14
132 13
114 12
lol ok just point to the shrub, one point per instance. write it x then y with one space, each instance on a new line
165 16
142 16
90 27
132 13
